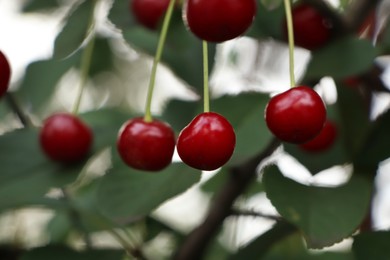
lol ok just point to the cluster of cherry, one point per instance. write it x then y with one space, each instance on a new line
297 115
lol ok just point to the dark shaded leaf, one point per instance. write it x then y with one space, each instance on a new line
75 30
39 5
24 165
325 215
342 58
155 227
246 114
295 248
372 245
105 124
64 253
261 245
125 193
216 251
268 21
187 109
38 85
354 119
377 144
59 227
102 57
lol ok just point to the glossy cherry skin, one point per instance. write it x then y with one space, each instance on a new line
5 74
147 146
323 141
65 138
311 29
219 20
149 13
207 142
296 115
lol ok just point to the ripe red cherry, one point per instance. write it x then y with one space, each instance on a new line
296 115
207 142
65 138
147 146
149 13
311 29
219 20
323 141
5 74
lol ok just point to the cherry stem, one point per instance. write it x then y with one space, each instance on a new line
18 110
76 218
85 63
129 244
160 46
206 96
291 45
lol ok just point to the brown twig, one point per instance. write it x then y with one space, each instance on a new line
252 213
357 13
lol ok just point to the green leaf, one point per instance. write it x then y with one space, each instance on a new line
182 51
125 192
38 85
155 227
64 253
39 5
261 245
354 119
75 30
216 251
342 58
179 113
325 215
59 227
268 22
246 114
24 165
336 155
377 143
102 56
105 124
372 245
295 248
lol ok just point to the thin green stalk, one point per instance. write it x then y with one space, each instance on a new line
290 31
206 97
85 63
84 67
18 110
160 46
76 218
131 250
129 245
